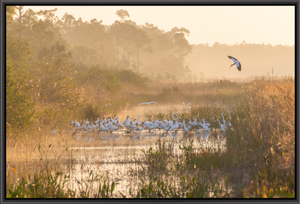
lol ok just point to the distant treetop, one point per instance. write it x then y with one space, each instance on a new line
122 14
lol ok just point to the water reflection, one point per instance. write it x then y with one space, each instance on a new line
205 135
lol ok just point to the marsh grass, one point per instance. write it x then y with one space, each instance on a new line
49 185
196 187
261 140
259 160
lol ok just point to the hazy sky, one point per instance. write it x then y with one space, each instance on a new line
207 24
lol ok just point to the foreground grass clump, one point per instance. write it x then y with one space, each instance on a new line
56 185
171 176
271 185
197 187
264 123
42 185
265 135
262 138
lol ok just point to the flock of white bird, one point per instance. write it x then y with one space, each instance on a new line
130 125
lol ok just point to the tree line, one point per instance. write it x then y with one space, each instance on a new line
121 45
53 62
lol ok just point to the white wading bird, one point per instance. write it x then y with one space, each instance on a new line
225 123
236 62
147 103
223 126
186 129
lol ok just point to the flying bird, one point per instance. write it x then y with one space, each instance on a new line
236 62
147 103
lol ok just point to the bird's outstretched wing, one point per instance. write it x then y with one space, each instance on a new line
232 58
143 103
236 62
153 102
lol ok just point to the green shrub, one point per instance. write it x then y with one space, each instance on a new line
19 107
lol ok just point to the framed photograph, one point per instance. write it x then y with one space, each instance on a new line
149 100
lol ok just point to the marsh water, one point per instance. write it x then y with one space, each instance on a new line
122 162
118 157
